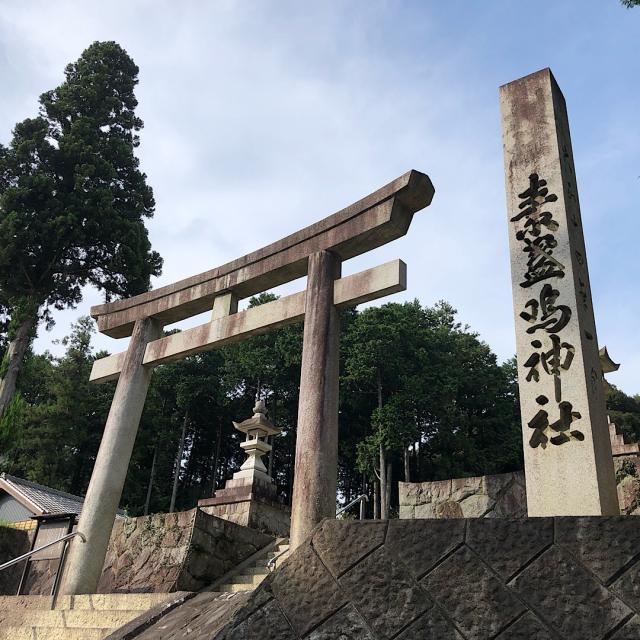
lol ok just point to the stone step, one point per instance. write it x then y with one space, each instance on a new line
255 571
74 618
250 577
47 633
99 602
233 587
253 579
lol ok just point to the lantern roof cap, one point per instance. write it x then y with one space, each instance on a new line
258 425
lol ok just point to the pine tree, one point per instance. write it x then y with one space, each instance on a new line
73 201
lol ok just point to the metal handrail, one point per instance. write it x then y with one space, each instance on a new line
355 501
271 564
44 546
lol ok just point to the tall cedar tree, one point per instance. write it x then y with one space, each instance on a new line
73 201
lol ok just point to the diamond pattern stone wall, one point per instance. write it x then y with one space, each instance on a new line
508 579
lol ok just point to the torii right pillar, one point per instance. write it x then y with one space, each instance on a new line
567 451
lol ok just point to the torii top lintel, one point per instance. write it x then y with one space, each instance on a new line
370 222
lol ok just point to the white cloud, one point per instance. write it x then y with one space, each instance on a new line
262 117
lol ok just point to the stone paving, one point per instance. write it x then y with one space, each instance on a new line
566 578
545 578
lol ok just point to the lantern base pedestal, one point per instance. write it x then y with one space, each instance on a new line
252 501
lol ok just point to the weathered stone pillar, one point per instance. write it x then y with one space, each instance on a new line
316 470
84 563
567 452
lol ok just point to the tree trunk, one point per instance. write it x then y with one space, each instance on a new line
214 472
389 474
384 500
14 359
376 500
272 439
147 502
176 474
225 468
407 465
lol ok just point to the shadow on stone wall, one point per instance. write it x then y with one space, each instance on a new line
13 543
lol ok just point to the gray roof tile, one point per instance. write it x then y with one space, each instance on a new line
47 499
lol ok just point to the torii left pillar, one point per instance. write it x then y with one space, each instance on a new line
85 560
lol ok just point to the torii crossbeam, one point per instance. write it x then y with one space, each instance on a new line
316 251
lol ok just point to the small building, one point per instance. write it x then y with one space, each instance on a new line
20 500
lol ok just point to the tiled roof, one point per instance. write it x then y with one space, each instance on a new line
47 500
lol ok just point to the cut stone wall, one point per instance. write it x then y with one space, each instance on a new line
498 496
494 496
175 552
13 543
572 578
274 519
251 502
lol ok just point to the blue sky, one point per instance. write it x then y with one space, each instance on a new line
262 117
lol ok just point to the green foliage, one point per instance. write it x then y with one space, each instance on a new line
624 411
630 3
63 416
72 197
10 422
440 387
627 469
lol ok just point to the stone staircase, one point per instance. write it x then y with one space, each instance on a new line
247 578
89 617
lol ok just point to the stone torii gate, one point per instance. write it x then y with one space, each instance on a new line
316 251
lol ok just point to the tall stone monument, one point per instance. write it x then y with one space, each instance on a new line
567 452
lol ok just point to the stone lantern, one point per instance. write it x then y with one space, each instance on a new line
250 498
257 429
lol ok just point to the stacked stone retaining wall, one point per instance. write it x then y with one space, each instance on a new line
493 496
168 552
499 496
162 553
